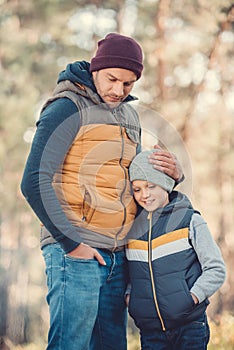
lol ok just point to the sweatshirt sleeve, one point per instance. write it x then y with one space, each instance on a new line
210 258
56 130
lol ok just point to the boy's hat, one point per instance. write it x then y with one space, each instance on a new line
141 169
118 51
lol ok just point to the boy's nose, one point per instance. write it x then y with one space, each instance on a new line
145 193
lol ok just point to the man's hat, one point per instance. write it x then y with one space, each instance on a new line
118 51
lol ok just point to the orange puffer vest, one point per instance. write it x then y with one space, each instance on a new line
93 183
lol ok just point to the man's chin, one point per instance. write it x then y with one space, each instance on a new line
112 103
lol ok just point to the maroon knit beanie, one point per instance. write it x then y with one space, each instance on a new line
118 51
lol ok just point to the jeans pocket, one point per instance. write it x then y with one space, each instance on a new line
200 322
78 260
48 270
198 331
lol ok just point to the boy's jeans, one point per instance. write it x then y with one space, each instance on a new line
86 301
193 336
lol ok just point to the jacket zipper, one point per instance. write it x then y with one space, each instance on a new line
151 271
120 162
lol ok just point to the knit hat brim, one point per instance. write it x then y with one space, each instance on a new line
141 169
102 62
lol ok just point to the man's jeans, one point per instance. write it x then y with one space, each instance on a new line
193 336
86 301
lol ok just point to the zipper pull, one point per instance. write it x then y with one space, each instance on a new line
149 217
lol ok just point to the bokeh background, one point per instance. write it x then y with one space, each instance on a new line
186 103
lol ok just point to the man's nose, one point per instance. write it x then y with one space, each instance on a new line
118 89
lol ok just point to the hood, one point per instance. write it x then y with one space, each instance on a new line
177 201
78 72
174 212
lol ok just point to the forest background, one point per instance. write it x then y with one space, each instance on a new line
186 104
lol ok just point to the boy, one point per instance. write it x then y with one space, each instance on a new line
174 263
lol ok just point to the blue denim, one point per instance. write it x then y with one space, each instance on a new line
192 336
86 301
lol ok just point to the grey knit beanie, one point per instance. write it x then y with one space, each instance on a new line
141 169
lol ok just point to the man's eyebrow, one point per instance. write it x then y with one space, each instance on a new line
114 77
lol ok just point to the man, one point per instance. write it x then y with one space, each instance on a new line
76 181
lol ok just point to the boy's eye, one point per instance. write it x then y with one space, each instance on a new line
136 189
151 186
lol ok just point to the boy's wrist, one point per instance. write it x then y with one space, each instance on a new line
195 299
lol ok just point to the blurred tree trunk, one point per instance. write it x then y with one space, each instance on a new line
163 13
212 63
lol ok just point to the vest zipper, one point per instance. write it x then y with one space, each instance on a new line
151 271
114 111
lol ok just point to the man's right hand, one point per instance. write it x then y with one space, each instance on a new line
167 163
84 251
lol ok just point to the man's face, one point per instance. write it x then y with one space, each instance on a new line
149 195
114 84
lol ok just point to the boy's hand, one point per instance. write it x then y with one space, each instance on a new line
196 301
127 298
167 163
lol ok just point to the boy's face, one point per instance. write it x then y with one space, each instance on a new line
149 195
